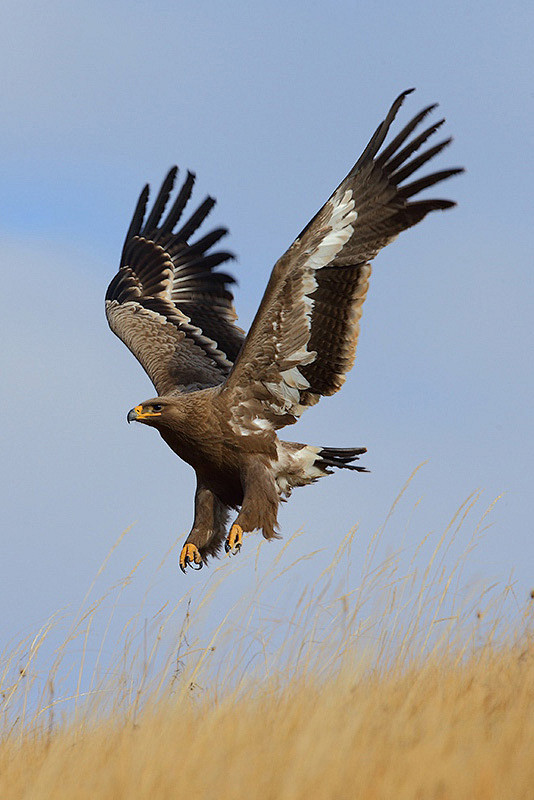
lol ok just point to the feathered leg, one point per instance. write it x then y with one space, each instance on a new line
208 531
260 504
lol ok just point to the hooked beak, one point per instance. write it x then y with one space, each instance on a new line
133 414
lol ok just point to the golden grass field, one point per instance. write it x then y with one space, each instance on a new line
396 685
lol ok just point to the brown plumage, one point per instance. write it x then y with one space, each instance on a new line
222 395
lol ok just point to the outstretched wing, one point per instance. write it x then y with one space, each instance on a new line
166 302
303 339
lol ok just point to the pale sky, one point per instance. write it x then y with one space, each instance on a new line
270 105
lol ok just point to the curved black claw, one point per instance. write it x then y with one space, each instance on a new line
188 563
233 551
234 540
190 557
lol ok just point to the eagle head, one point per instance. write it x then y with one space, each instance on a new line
151 412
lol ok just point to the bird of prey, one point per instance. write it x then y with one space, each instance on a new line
223 395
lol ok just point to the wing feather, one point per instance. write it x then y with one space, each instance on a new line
166 303
303 339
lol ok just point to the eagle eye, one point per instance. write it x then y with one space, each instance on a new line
157 407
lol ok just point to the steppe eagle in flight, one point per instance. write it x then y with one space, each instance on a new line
223 394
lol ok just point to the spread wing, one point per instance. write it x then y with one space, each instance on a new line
166 302
303 339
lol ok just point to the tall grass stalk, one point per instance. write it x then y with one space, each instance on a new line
403 629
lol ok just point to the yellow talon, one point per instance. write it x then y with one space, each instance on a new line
189 556
235 539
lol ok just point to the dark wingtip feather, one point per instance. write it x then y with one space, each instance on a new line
427 181
442 205
161 200
377 139
415 212
392 158
138 215
179 204
206 242
412 166
405 93
401 137
196 219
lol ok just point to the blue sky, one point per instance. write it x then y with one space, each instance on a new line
270 104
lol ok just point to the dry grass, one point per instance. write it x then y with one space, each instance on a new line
394 685
437 731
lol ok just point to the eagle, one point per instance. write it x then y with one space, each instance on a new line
222 395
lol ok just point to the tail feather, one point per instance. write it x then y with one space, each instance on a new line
303 464
341 457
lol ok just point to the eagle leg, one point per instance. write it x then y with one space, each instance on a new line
260 504
234 541
208 531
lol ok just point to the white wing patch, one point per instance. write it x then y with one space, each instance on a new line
342 216
285 393
290 328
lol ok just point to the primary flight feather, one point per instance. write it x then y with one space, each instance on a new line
222 395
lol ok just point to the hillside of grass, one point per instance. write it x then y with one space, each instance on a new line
392 681
437 730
